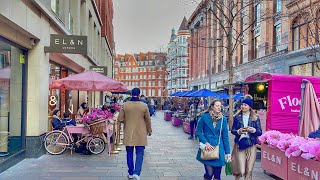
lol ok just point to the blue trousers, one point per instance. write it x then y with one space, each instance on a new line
212 171
135 169
193 125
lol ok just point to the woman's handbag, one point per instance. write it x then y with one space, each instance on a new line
212 154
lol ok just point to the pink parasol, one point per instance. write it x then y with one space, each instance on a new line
89 81
310 115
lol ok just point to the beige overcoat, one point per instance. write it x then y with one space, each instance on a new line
137 123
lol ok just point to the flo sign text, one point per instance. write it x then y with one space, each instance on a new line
67 44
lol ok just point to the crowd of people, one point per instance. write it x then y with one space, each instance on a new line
211 130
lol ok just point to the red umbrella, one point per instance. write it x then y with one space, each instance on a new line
310 110
89 81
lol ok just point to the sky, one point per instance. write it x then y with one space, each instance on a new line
145 25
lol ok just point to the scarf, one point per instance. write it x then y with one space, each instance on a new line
215 117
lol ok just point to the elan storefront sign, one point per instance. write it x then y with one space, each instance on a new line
67 44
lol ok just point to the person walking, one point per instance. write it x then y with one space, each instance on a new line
212 131
246 128
194 113
137 126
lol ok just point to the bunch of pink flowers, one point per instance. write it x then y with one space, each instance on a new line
292 145
116 107
96 113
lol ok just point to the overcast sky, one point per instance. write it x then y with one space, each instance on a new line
145 25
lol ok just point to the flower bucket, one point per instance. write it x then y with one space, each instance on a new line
168 117
299 168
274 161
176 121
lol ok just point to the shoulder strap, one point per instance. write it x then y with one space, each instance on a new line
220 130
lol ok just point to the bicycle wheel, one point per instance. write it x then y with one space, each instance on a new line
55 143
96 145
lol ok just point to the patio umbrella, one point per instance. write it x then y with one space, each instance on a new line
186 93
223 96
238 96
203 93
309 110
89 81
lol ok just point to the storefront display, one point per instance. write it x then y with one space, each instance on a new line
11 92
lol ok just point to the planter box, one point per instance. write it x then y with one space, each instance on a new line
274 161
299 168
176 121
167 117
186 127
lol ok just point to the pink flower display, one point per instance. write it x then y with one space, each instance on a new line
292 145
96 113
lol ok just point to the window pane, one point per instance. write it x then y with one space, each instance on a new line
303 69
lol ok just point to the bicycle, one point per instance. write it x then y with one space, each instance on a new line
57 141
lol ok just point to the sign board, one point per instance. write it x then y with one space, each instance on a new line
67 44
100 69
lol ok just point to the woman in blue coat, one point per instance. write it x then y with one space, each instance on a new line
208 132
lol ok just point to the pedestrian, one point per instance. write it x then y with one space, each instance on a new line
56 122
83 110
194 113
246 128
137 125
212 131
144 99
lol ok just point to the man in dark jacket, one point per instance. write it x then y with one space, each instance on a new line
144 99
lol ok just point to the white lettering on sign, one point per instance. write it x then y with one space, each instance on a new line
272 157
53 101
292 102
305 171
70 42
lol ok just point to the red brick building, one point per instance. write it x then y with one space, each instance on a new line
144 70
105 8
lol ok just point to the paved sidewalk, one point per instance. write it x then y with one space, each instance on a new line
169 156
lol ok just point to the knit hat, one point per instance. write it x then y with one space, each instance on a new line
248 101
135 92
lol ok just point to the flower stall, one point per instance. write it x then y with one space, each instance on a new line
289 156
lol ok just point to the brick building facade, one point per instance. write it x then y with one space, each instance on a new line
177 64
281 39
144 70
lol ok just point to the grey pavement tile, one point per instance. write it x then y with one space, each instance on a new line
169 155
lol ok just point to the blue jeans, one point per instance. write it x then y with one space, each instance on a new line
193 125
139 159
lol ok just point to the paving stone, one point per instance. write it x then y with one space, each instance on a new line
169 155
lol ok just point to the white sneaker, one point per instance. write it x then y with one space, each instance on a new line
130 176
136 177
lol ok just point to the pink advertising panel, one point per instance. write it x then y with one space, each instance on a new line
284 98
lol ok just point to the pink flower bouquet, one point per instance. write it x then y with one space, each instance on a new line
96 114
292 145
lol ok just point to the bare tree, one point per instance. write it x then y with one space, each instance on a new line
229 22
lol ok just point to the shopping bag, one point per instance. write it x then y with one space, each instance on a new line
228 168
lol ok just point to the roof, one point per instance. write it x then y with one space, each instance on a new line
264 77
183 25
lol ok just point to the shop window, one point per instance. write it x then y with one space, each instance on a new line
300 28
11 116
302 69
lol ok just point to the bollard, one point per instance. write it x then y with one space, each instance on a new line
114 145
118 137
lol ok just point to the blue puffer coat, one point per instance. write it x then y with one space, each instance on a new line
207 133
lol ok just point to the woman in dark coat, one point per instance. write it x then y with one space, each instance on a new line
208 132
246 128
56 122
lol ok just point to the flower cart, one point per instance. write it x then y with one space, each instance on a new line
186 127
289 156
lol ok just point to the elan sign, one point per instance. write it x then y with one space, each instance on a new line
67 44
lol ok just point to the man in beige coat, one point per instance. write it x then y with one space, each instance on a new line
137 126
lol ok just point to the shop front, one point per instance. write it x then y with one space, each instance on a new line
12 102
